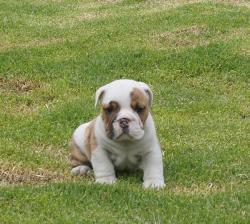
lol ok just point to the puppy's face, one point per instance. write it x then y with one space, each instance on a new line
125 109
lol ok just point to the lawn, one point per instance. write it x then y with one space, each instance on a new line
195 55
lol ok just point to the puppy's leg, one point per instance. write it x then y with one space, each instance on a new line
82 144
103 168
78 160
81 170
153 169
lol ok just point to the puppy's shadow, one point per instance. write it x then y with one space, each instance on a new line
131 176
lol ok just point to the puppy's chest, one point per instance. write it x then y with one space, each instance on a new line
125 160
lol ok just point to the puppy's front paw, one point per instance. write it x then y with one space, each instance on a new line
154 183
81 170
106 180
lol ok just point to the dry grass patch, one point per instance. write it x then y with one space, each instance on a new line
192 30
67 21
245 48
60 155
96 4
19 85
26 109
193 36
186 36
236 33
16 174
195 30
162 5
234 2
177 3
198 189
34 43
20 95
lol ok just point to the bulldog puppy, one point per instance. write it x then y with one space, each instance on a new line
122 137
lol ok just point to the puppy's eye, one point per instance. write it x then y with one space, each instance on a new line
139 109
108 110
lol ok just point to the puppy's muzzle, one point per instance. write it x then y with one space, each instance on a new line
124 124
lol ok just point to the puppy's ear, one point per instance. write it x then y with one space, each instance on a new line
99 95
148 91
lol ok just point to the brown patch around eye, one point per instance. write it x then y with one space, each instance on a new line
139 103
109 113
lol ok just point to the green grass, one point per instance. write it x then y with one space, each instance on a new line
195 57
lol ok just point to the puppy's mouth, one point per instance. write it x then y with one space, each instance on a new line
123 130
131 132
124 137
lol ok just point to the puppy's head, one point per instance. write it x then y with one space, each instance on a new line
125 109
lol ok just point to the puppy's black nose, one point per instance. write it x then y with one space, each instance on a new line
124 123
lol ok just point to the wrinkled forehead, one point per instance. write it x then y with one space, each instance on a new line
124 91
120 94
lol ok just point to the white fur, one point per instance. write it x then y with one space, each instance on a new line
139 149
78 136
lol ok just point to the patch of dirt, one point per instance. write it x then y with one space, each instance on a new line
195 30
16 174
19 85
192 30
181 37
